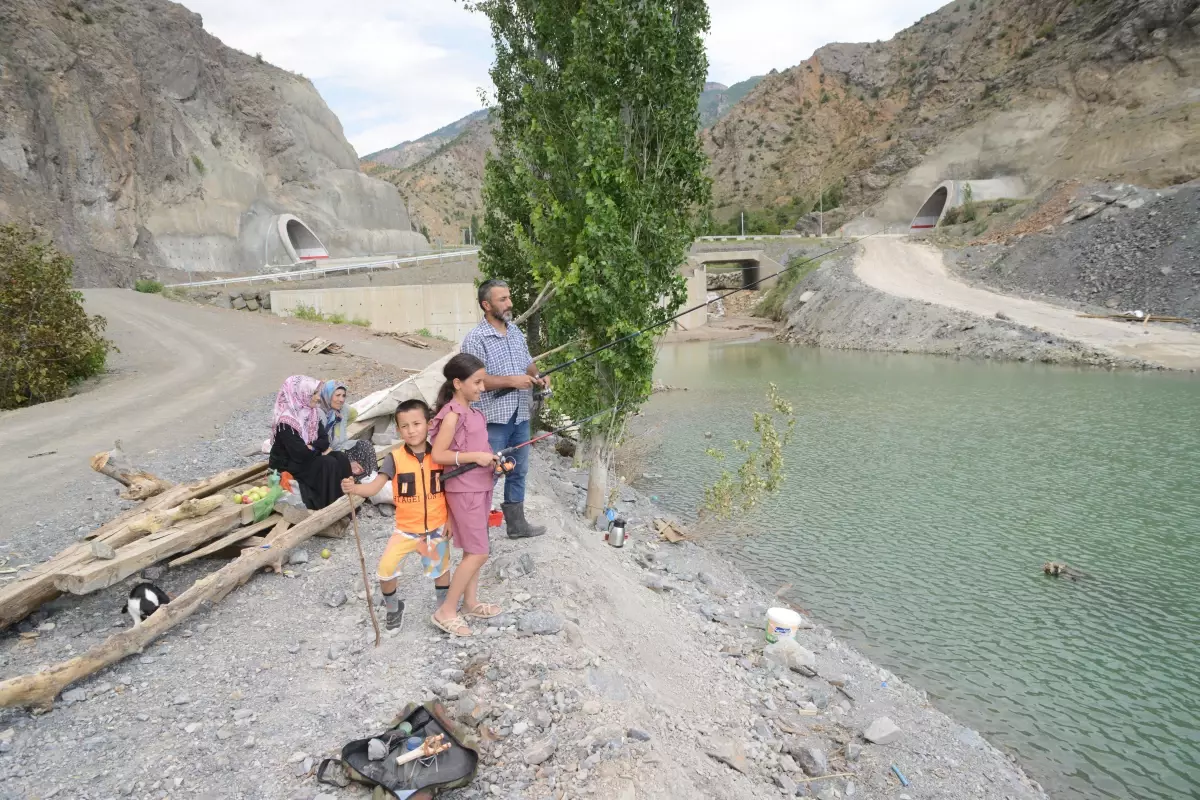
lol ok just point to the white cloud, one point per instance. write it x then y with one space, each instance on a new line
397 69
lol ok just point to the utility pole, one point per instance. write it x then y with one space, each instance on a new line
743 223
821 215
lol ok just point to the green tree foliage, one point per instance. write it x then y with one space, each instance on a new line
47 341
761 471
596 183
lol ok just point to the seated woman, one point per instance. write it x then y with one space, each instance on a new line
336 421
300 444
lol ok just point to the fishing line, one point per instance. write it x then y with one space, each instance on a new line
686 311
505 455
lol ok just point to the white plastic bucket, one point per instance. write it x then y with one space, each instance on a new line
782 623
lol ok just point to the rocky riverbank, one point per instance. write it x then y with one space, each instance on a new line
615 673
833 308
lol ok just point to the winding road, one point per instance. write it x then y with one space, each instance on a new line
913 270
182 370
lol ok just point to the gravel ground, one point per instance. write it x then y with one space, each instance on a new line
630 673
1119 259
846 314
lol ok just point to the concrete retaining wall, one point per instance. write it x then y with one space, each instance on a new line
448 310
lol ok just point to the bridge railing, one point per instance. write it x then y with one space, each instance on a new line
332 269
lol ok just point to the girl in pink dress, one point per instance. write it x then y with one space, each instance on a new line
460 437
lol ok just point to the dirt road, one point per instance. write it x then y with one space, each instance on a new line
912 270
182 370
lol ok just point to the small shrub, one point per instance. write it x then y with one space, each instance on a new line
307 313
258 58
1046 31
87 18
215 139
824 96
199 164
1026 51
1002 205
425 332
951 217
787 139
47 340
137 122
875 93
337 318
771 306
148 286
360 322
821 78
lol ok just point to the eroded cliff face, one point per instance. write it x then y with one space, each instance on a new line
142 143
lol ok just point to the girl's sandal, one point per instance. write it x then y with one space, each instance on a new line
483 611
455 627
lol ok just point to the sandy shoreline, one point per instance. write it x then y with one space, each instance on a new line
652 683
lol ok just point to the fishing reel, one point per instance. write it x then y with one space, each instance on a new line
506 464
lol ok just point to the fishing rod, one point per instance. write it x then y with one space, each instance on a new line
686 311
507 462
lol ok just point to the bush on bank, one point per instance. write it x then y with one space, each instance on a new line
47 340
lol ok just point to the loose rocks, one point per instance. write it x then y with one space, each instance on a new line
788 653
376 750
543 623
882 731
540 752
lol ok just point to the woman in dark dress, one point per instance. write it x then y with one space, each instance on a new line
300 443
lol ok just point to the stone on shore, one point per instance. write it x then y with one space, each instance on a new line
882 731
812 760
788 653
542 623
103 550
376 750
540 752
730 753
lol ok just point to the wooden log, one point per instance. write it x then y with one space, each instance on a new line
28 592
87 578
139 483
38 690
227 541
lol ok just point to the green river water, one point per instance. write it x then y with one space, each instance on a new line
922 497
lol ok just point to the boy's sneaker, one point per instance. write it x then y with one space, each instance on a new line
395 618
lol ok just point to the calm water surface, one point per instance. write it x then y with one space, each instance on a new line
922 497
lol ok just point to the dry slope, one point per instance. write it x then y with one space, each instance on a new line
1044 88
138 140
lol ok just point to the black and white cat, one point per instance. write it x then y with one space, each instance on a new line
144 600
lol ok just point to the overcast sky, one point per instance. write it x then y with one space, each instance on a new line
397 69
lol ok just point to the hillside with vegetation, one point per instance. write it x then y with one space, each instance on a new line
1046 90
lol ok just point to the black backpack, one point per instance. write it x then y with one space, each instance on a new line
452 769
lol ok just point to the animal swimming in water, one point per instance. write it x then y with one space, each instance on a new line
144 600
1056 569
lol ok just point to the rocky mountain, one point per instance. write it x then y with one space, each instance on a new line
1044 89
441 174
717 99
141 143
406 154
443 190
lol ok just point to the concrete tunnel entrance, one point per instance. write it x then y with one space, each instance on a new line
952 194
931 210
303 241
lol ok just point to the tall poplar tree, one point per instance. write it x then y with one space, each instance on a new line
593 193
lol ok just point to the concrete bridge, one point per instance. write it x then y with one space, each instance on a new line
755 264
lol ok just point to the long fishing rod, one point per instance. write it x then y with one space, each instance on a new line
649 328
505 455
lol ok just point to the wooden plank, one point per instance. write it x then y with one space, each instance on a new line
38 690
227 541
89 577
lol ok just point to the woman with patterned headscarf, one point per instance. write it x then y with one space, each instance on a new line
300 443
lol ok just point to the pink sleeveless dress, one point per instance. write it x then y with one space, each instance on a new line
468 496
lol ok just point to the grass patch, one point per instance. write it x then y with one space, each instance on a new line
310 314
148 286
199 164
771 306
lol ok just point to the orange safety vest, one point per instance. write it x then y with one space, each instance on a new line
418 493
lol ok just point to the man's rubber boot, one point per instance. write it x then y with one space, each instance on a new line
518 527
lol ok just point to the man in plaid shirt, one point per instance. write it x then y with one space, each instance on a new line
511 376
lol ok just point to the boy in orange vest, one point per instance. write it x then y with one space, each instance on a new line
420 509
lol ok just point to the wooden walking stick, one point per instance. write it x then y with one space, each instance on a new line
362 562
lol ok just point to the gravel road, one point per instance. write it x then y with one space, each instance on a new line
182 370
915 271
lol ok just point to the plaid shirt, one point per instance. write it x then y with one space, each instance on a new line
502 355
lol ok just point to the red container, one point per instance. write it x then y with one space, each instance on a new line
495 518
